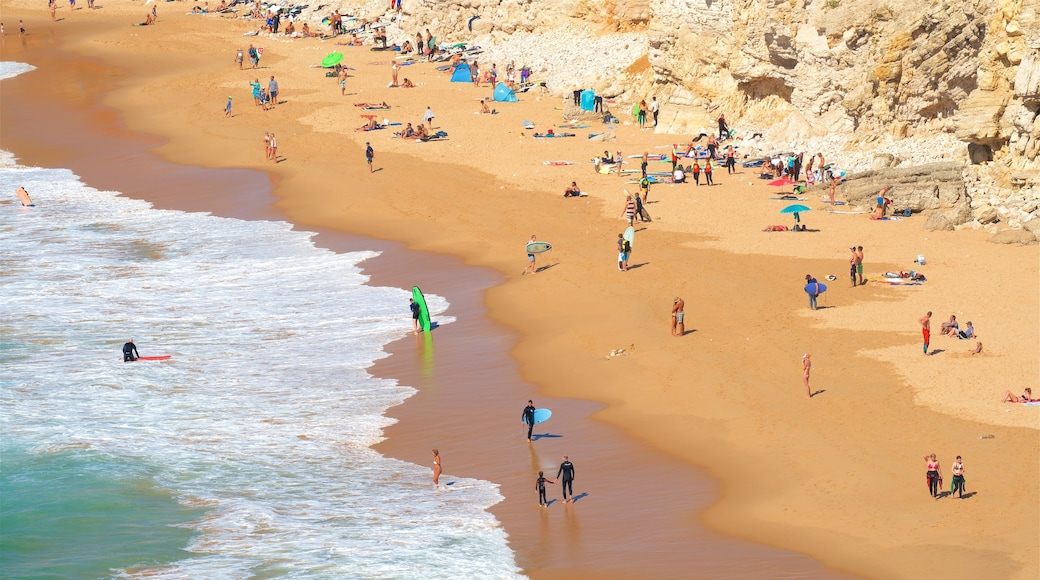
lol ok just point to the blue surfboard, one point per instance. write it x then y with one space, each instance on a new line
540 416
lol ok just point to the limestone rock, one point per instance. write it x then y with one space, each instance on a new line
986 214
938 222
1014 237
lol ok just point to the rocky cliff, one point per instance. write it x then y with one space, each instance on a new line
859 77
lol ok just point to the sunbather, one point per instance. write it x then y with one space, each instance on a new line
1027 397
572 190
371 125
950 327
420 131
408 132
968 332
775 229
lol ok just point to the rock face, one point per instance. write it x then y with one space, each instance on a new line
882 75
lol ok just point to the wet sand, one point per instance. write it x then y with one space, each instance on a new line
838 477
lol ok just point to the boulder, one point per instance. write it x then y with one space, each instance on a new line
1021 237
986 214
938 222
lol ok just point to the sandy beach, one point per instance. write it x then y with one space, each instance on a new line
837 478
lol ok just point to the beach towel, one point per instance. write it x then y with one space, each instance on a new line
573 126
553 135
889 219
558 162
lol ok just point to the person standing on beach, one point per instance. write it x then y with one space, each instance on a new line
813 291
696 171
436 466
678 328
369 155
343 81
642 166
394 69
254 56
21 28
852 266
958 478
528 418
530 259
567 473
926 329
239 58
274 148
227 108
731 160
272 89
723 128
416 310
624 247
655 108
130 351
934 475
428 118
540 486
859 264
806 369
707 172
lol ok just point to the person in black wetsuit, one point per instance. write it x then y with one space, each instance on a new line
414 306
529 418
566 472
540 486
130 352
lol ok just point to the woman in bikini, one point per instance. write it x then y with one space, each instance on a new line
1027 397
934 475
958 477
436 466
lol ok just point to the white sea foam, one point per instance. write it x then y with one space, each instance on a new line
265 412
9 69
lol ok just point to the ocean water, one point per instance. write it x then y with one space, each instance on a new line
247 454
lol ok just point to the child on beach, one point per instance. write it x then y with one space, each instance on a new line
227 109
540 486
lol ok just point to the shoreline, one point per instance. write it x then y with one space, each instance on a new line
763 521
540 552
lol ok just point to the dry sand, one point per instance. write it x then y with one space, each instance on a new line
838 477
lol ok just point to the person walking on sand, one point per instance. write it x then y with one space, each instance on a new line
530 259
528 418
343 81
696 171
645 161
394 69
567 482
957 486
274 148
239 58
630 210
655 109
813 291
806 369
707 172
678 328
227 108
436 466
540 486
624 247
21 28
926 329
428 118
369 155
934 475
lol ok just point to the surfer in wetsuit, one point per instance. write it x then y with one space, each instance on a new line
414 306
567 473
540 486
529 418
130 352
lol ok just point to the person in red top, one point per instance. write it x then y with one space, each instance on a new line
707 172
696 172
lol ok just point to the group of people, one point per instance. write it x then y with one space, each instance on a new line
935 478
949 328
566 472
270 147
642 110
264 97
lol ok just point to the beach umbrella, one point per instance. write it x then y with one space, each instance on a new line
331 59
796 208
782 182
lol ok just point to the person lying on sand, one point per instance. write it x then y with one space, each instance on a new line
371 125
775 229
1027 397
148 21
407 84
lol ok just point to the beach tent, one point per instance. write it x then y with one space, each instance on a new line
504 94
461 74
588 100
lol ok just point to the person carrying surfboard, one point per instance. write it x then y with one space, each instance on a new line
529 418
530 259
130 353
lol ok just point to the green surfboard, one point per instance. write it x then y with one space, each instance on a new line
424 312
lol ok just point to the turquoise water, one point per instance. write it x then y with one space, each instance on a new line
77 514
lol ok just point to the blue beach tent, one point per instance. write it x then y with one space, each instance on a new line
461 74
588 100
504 94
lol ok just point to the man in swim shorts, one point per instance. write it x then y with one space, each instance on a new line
678 328
130 351
926 329
369 155
623 248
859 264
530 260
852 266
